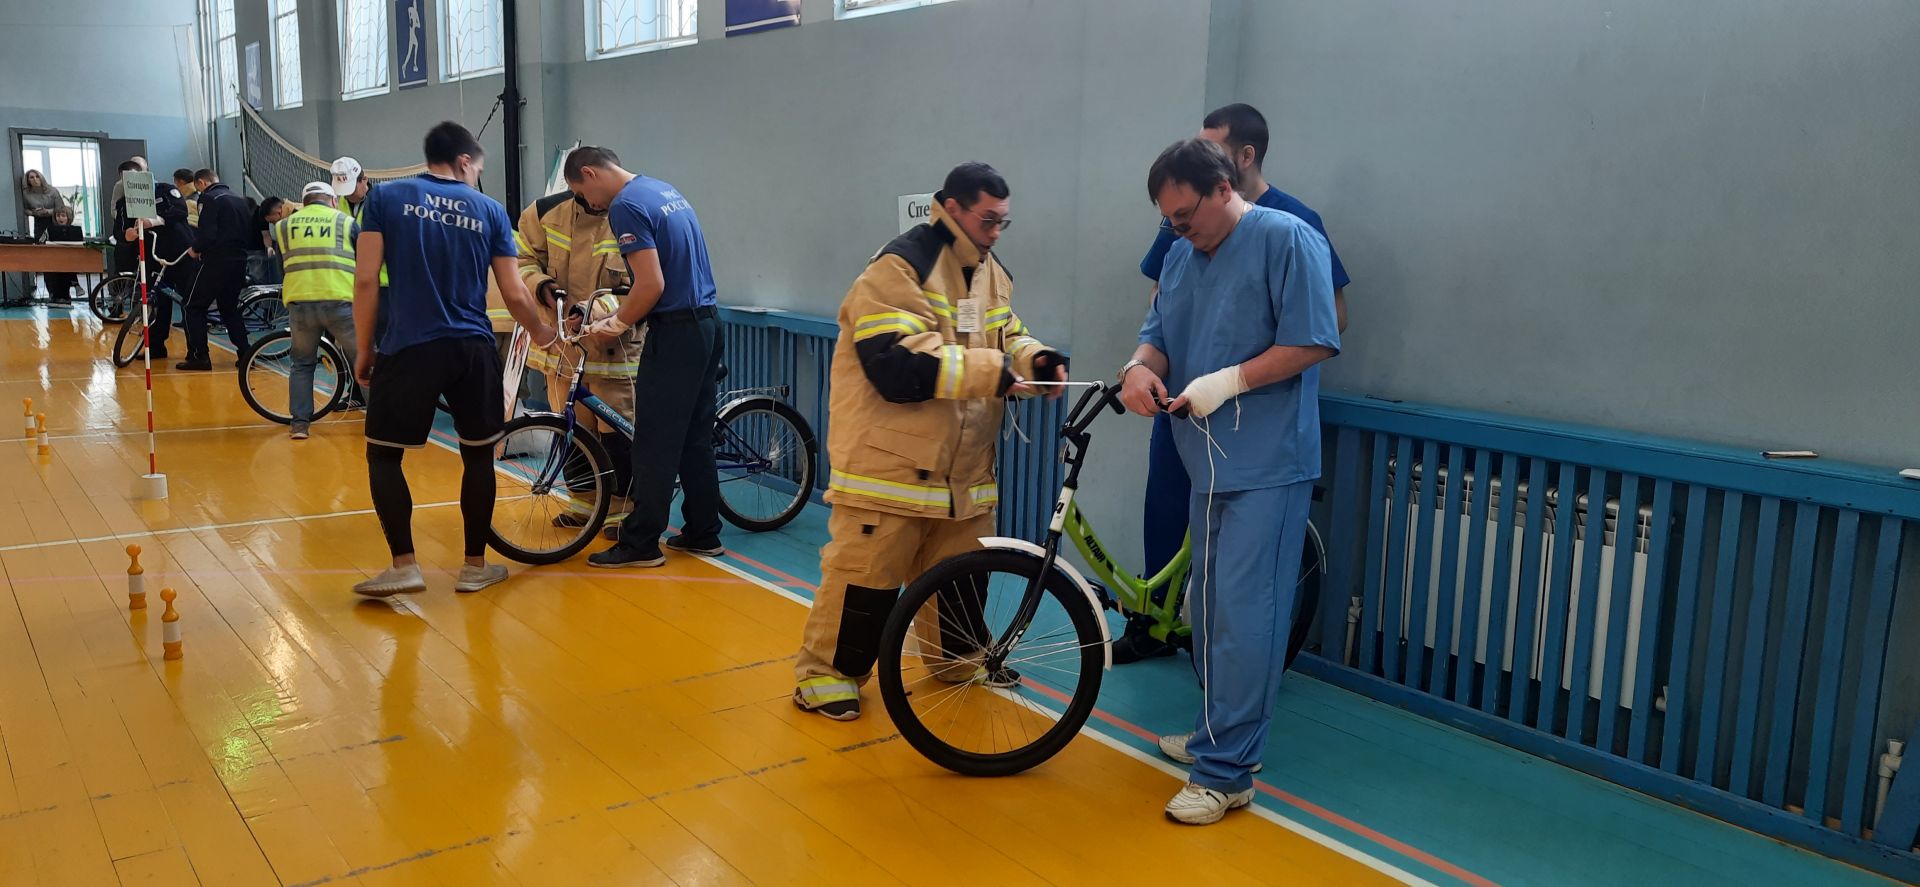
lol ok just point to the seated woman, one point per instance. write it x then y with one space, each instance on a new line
59 286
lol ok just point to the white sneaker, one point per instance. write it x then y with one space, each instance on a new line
1175 747
1198 805
474 578
395 580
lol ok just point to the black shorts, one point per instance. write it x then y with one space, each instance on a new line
407 388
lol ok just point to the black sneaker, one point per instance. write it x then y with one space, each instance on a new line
838 710
196 364
704 549
624 555
1136 644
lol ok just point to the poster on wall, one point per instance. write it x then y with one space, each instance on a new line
410 42
754 16
253 75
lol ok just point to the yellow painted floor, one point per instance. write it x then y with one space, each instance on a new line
567 727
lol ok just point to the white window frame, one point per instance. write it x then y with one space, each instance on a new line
448 54
226 59
846 9
349 28
595 51
279 11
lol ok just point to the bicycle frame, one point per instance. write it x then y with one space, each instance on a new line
579 395
1132 593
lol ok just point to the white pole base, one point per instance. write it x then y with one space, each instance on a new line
150 486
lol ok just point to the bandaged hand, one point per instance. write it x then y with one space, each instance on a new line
1209 392
610 326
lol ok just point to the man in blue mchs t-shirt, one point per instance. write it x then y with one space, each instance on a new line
1245 312
1242 130
437 237
679 376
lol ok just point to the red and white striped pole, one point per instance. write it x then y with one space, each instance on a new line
153 485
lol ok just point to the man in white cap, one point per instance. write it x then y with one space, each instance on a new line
351 185
318 245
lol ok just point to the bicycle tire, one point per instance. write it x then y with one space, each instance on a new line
114 297
263 310
1086 629
578 444
271 359
797 474
128 345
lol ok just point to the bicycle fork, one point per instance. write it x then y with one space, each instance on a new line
1030 602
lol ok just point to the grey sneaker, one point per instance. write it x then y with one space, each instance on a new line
1175 747
474 578
395 580
299 432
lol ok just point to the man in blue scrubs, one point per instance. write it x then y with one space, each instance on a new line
1242 130
1245 312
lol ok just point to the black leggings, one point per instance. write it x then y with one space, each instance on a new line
393 501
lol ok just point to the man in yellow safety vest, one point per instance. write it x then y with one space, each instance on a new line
317 246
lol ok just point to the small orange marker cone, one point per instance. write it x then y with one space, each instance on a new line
169 627
40 430
136 581
27 403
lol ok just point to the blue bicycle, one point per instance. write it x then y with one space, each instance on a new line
559 481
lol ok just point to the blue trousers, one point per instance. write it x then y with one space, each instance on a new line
1164 525
307 320
1246 555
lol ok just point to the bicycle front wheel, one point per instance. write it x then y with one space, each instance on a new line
765 455
969 717
266 378
128 345
554 490
114 298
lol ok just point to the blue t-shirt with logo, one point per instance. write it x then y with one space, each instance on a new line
1272 198
441 237
651 214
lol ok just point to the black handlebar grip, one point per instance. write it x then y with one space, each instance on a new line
621 290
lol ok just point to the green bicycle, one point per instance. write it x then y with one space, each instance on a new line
991 662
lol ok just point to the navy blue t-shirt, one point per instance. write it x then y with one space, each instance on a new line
651 214
1274 198
441 237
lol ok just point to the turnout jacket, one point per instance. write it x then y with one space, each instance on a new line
928 346
563 243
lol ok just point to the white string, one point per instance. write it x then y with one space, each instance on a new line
1206 570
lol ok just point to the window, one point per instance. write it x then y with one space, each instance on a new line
619 27
363 48
229 61
858 8
286 53
469 38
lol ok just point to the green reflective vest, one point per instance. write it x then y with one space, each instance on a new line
316 246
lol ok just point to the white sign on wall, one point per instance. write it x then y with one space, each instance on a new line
915 209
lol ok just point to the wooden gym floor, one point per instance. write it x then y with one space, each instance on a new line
576 726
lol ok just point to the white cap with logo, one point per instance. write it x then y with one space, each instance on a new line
313 188
346 176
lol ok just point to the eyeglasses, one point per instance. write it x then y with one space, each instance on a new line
1181 228
993 221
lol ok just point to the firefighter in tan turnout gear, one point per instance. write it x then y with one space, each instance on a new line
929 345
564 246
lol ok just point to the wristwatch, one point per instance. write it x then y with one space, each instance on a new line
1126 368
